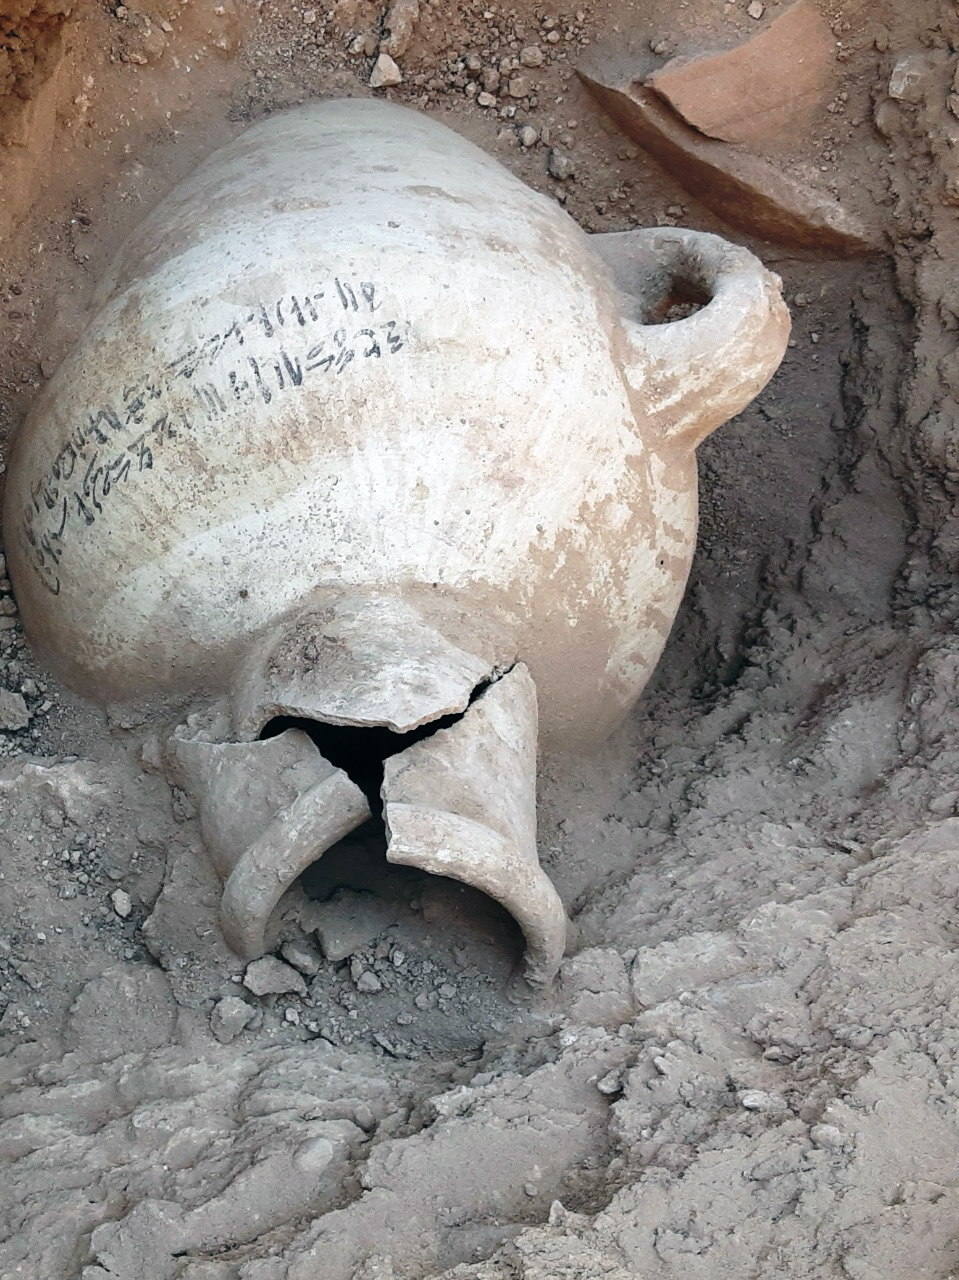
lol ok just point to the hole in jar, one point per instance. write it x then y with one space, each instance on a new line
361 750
676 299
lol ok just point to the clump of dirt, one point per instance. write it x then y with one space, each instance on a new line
748 1066
30 32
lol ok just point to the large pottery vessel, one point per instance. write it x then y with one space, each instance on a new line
366 433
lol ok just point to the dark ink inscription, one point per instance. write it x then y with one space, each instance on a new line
270 355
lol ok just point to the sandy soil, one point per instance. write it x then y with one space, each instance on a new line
750 1064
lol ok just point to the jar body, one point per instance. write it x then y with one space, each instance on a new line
352 352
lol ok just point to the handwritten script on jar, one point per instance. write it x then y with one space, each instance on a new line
117 441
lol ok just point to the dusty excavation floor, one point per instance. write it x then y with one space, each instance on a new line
749 1066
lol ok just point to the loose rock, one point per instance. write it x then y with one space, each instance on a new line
401 19
760 1100
363 45
560 165
302 955
122 903
611 1083
229 1017
270 976
908 76
13 711
364 979
385 73
490 80
826 1135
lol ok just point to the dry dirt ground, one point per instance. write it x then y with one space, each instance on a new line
750 1064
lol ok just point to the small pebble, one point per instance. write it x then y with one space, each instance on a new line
122 903
490 80
532 56
759 1100
527 136
560 165
485 100
756 9
826 1135
611 1083
519 87
364 979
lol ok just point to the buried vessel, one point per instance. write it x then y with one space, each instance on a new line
365 436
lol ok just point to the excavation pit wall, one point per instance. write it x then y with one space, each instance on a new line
760 867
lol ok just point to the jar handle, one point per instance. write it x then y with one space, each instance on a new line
694 373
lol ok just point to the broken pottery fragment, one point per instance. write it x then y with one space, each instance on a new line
760 89
379 465
746 190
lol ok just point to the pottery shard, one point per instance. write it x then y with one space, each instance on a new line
748 192
763 88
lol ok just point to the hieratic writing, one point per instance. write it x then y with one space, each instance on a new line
260 358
